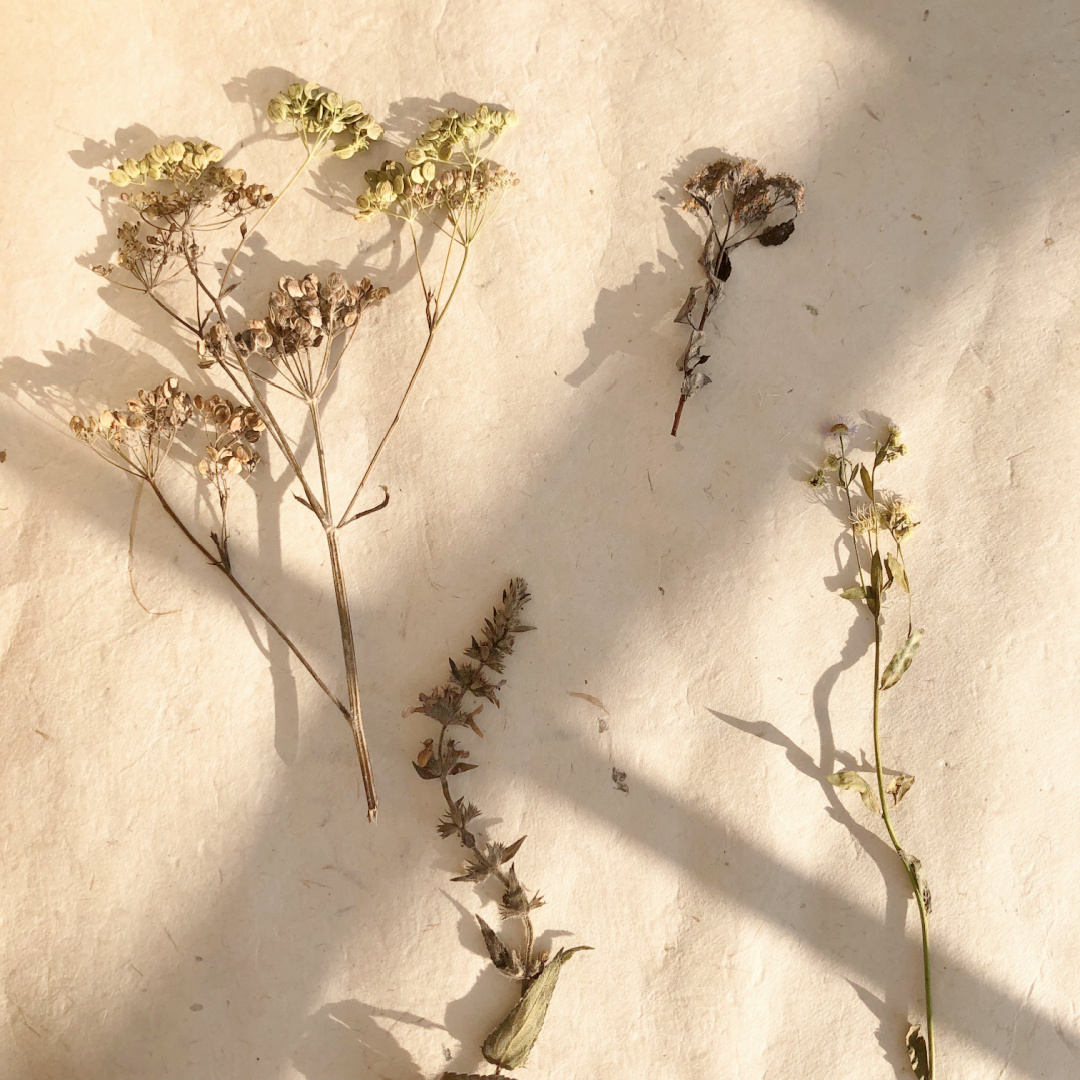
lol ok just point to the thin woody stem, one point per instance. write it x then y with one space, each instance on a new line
348 641
216 562
408 389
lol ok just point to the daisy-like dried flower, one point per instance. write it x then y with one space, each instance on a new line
737 202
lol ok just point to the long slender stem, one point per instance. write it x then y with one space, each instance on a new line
348 648
216 562
408 389
915 887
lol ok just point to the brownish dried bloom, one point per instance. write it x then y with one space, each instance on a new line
234 429
141 434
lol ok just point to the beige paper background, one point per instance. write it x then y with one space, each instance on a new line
190 887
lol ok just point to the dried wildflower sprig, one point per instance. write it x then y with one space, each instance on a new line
737 203
509 1044
137 440
449 183
879 521
294 348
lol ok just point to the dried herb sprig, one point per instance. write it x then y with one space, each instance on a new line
509 1044
879 520
296 347
737 202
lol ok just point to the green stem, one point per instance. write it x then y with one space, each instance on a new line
900 851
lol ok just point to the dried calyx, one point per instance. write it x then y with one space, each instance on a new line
738 203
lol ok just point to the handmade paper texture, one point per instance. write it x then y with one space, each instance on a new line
191 888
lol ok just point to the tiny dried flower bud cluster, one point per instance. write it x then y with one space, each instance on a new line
418 186
302 313
235 428
181 162
314 111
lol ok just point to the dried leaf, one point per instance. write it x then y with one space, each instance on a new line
775 235
901 660
915 866
725 267
899 786
499 953
867 482
852 781
896 569
858 593
509 1045
512 850
687 307
917 1053
873 595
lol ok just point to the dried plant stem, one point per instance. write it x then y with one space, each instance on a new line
435 318
260 610
916 887
348 640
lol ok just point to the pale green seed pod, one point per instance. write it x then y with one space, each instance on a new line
120 178
158 155
214 153
384 190
333 101
345 152
511 118
175 151
428 170
415 155
276 111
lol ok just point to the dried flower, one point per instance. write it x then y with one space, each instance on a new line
319 116
738 203
511 1041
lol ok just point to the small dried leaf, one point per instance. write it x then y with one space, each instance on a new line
509 1045
852 781
858 593
687 307
901 660
873 595
775 235
725 267
917 1053
915 866
499 953
462 766
896 570
512 850
867 482
899 786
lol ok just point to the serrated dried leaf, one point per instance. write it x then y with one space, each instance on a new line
852 781
775 235
858 593
901 660
896 568
509 1045
899 786
918 1055
512 850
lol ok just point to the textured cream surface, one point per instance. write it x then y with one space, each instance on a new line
190 887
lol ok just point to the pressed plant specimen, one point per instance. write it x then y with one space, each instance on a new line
736 202
510 1042
880 523
176 195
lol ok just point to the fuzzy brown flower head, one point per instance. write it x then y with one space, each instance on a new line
738 195
319 115
303 312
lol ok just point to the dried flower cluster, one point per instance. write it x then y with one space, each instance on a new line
738 202
296 347
509 1044
878 520
446 170
140 435
319 115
